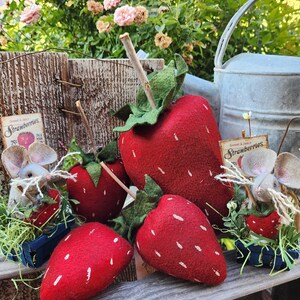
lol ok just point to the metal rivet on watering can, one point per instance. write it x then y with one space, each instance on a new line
266 85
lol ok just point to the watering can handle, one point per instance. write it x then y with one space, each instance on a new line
222 46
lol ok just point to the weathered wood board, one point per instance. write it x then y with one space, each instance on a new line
49 82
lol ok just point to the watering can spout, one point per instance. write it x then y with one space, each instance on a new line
196 86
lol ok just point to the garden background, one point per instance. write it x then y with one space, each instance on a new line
160 28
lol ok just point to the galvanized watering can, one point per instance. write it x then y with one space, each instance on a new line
266 85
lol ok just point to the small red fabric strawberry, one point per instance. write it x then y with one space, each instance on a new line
181 153
177 238
101 202
264 226
100 197
46 212
85 263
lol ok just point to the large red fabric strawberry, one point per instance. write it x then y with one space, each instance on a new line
176 238
100 197
173 236
84 263
264 226
45 212
180 150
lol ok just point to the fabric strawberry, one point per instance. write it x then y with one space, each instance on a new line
264 226
100 197
174 237
180 151
84 263
46 212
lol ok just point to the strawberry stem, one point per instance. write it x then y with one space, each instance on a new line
131 54
117 180
86 125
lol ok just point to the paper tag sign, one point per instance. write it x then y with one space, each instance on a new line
22 130
234 150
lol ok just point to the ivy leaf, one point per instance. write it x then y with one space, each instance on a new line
94 170
165 85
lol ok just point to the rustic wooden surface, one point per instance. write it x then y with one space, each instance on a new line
160 286
106 85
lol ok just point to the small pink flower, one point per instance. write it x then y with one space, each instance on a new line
94 7
124 15
109 4
30 14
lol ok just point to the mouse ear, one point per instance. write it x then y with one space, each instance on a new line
287 170
258 161
41 154
14 158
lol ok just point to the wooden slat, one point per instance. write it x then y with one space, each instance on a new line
160 286
107 84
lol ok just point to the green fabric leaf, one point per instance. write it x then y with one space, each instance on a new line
133 217
71 161
109 153
165 86
94 170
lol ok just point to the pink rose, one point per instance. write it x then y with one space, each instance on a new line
109 4
124 15
30 14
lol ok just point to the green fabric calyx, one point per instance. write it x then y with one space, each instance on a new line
133 217
165 87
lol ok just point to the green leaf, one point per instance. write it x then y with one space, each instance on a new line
94 170
165 85
109 153
76 202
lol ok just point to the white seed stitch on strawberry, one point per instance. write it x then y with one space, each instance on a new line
205 106
46 273
88 275
203 227
67 237
178 217
57 280
157 253
138 245
45 212
176 137
197 280
170 198
207 130
93 215
255 222
122 141
273 221
153 232
104 192
206 212
67 256
128 252
198 248
111 262
260 229
183 264
216 272
210 173
217 253
92 231
116 240
133 153
190 173
179 245
161 170
84 190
